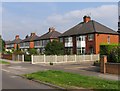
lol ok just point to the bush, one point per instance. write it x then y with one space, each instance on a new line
32 51
106 48
114 55
112 51
54 48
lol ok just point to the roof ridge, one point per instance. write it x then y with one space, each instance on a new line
93 25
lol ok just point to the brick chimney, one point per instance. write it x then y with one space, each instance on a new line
86 19
32 34
51 29
17 37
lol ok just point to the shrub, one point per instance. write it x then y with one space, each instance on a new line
114 55
54 48
106 48
32 51
112 51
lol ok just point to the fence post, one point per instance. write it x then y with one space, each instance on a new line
75 58
44 58
91 56
103 61
66 58
22 58
32 59
55 58
18 57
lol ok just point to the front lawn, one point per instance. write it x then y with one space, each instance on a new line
3 62
70 80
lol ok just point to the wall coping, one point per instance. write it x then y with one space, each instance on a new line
113 63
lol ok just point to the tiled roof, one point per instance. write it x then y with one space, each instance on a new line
15 41
48 35
30 38
89 27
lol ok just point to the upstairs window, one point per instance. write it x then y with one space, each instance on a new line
61 39
91 37
108 40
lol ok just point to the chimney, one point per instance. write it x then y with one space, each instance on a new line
17 37
86 19
26 36
51 29
32 34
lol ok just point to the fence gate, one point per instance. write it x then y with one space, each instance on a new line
27 58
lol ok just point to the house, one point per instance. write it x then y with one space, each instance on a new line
42 41
86 37
14 44
28 42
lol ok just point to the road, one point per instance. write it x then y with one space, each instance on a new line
11 80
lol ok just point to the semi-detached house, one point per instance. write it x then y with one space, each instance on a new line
86 37
41 42
13 44
28 42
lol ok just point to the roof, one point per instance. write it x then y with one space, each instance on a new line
8 42
87 28
30 38
48 35
15 41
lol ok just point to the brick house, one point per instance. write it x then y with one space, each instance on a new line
41 41
86 37
13 44
28 42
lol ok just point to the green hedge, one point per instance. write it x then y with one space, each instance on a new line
111 50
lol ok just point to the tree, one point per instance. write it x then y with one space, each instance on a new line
54 48
2 44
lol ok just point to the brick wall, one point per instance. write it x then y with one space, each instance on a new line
113 68
7 56
102 38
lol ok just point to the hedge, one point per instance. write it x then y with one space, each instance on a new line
112 52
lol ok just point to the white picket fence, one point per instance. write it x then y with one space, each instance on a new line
63 58
18 57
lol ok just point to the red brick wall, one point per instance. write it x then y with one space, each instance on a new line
102 38
89 44
113 68
32 44
74 45
7 56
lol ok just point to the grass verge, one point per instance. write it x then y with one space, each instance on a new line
72 81
3 62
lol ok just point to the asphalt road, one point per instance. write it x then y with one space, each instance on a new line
11 81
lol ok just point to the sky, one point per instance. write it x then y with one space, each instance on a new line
22 18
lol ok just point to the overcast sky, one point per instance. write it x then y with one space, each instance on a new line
24 18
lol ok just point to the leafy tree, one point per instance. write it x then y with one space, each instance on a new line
2 44
54 48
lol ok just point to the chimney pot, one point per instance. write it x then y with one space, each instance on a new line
51 29
32 34
86 19
17 37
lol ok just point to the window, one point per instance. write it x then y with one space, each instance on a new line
108 40
90 37
81 50
37 43
61 39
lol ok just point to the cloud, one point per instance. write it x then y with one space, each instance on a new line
14 24
106 14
